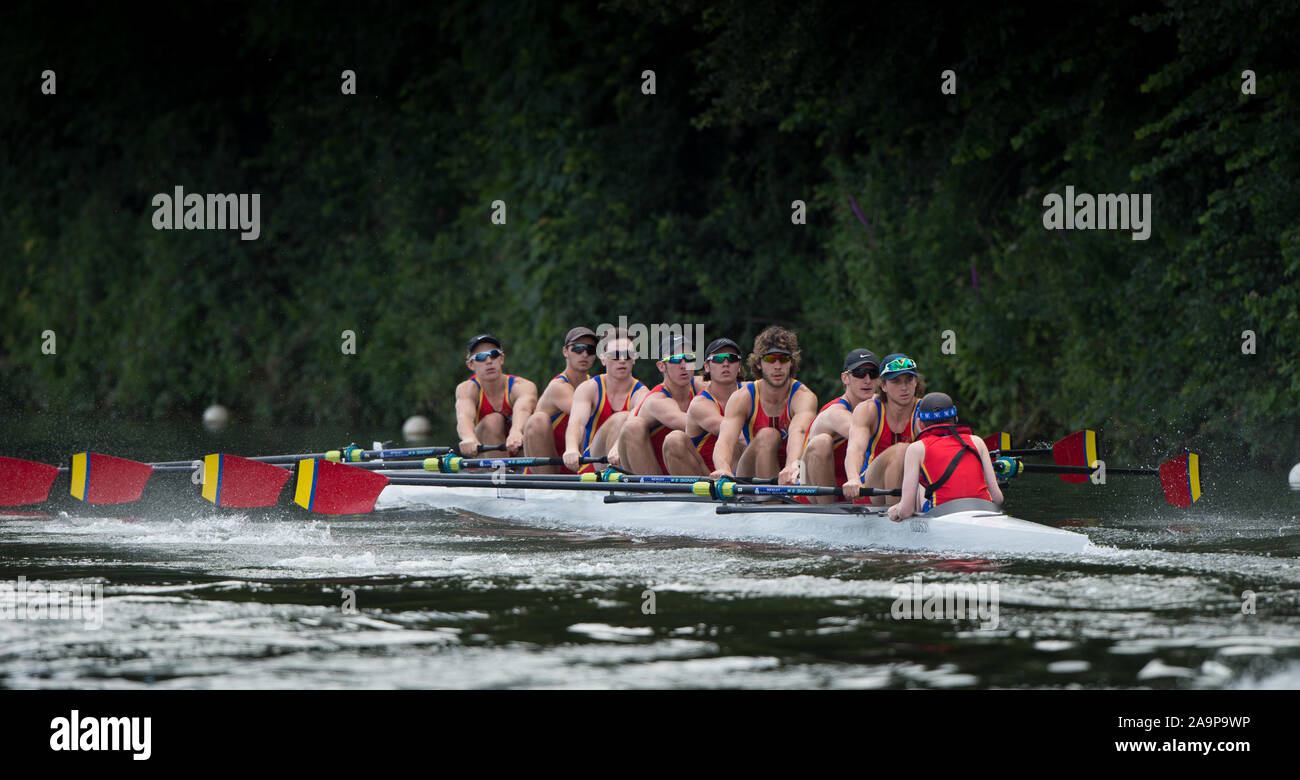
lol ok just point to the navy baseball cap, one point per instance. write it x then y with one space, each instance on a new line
897 364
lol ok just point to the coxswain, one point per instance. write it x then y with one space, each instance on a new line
945 463
479 419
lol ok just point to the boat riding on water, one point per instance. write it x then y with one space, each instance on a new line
942 492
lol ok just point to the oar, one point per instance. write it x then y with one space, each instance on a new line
338 488
96 479
451 464
350 454
1180 477
1068 451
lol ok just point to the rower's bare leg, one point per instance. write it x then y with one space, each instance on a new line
681 457
539 442
635 448
819 465
607 434
760 457
886 473
491 429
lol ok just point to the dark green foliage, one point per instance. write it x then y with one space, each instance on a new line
673 207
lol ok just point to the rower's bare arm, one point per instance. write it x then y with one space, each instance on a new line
990 476
912 458
466 406
579 412
840 422
738 409
524 404
667 412
803 408
638 396
705 414
548 401
860 431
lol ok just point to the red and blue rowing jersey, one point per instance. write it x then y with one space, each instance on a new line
659 431
885 437
758 419
559 428
705 441
839 444
485 406
604 411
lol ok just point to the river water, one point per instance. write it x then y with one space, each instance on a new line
199 597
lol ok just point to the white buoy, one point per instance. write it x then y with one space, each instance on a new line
417 427
1294 477
215 417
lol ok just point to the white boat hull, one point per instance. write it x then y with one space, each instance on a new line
980 530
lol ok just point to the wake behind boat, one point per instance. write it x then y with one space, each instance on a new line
966 525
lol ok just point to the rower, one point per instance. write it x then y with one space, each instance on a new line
545 431
601 406
662 411
828 436
478 419
882 429
772 413
690 452
945 463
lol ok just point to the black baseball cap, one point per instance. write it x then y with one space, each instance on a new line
722 345
577 333
469 348
860 357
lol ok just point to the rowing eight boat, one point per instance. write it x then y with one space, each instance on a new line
966 525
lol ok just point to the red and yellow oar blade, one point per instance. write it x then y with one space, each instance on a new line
25 481
1077 449
104 479
229 480
1181 479
998 441
337 488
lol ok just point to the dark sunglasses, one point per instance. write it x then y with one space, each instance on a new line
724 357
621 355
582 349
862 371
776 357
687 357
480 357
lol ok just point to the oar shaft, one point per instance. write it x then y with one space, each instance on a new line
696 486
345 455
1053 469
